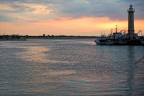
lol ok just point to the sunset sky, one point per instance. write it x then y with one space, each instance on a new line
67 17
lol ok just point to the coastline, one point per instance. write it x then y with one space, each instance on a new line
21 37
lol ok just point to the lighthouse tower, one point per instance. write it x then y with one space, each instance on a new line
131 21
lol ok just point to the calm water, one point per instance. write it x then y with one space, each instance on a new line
70 67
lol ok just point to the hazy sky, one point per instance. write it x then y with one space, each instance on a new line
67 17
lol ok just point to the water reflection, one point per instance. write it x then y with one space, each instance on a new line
131 70
43 69
35 54
39 54
135 74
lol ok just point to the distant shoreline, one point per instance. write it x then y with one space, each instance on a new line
61 37
23 38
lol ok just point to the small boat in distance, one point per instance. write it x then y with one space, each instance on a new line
12 38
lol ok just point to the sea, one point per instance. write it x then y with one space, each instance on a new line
70 67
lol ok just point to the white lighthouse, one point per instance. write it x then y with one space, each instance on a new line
131 21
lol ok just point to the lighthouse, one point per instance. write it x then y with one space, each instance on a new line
131 21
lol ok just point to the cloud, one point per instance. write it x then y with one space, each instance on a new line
33 10
21 11
114 9
6 18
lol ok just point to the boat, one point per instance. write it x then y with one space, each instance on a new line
12 38
103 41
121 38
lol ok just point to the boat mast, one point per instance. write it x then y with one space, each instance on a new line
116 28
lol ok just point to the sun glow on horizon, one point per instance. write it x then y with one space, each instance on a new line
66 17
88 26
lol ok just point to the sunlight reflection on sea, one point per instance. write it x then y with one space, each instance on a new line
68 67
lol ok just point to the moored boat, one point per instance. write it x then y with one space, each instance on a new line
119 38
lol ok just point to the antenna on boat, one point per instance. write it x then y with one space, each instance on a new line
111 31
116 28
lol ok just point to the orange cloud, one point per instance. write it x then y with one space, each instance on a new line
6 7
37 8
68 26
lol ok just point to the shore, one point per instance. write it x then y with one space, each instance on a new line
21 37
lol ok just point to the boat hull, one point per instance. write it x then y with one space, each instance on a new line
130 42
